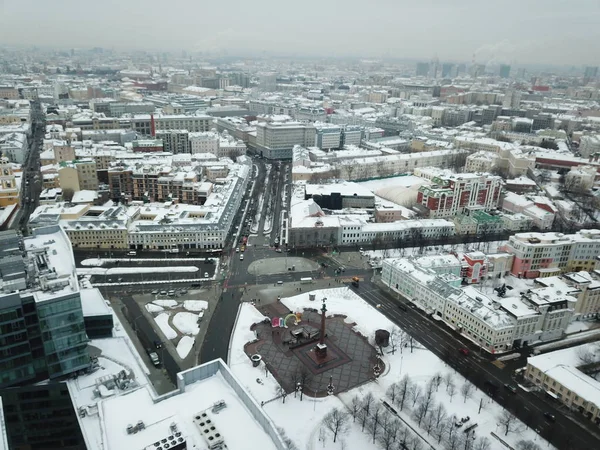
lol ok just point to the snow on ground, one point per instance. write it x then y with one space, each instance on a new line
268 224
195 305
302 421
98 262
577 327
487 247
154 308
162 320
184 346
404 181
186 322
166 303
134 270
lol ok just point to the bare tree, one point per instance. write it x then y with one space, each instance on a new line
403 390
527 445
440 430
415 393
425 403
366 407
448 379
374 422
466 391
396 339
428 421
453 441
392 391
354 407
439 414
451 390
416 443
389 430
437 380
336 421
483 443
508 422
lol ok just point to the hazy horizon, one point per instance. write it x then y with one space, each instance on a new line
553 32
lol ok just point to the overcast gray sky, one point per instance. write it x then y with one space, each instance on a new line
515 31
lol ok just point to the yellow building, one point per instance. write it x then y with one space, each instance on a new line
9 191
78 175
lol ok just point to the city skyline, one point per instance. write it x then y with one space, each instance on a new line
430 29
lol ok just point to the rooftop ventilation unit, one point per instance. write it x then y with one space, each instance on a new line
209 431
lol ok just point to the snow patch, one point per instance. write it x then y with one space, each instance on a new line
166 303
184 346
186 323
195 305
154 308
162 320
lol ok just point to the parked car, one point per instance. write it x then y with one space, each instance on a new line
464 351
511 388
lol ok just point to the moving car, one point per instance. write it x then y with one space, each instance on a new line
464 351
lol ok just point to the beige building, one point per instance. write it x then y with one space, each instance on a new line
481 162
78 175
63 152
9 92
561 374
9 191
584 286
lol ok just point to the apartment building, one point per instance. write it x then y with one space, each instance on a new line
448 196
540 214
547 254
78 175
275 140
205 142
15 147
174 141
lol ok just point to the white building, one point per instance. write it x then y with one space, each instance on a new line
589 144
481 162
204 142
497 324
275 140
581 178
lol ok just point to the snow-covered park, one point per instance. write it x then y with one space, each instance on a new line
429 405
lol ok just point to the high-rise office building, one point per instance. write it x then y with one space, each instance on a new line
590 73
504 70
42 330
447 70
422 69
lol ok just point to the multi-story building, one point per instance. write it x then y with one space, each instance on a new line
275 140
309 226
43 331
581 178
351 135
504 70
562 375
9 92
14 146
480 162
455 194
174 141
9 191
205 142
540 214
498 324
584 286
78 175
589 145
340 195
328 136
194 124
547 254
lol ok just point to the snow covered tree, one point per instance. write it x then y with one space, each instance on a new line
404 387
415 394
367 403
466 390
508 422
336 421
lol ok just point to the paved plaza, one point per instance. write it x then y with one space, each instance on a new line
350 358
270 266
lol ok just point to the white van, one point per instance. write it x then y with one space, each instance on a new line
241 257
132 253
